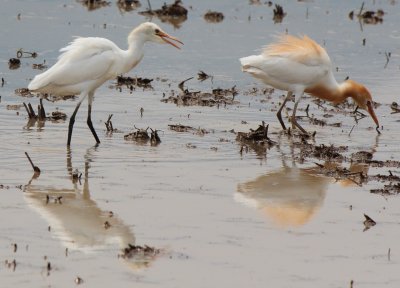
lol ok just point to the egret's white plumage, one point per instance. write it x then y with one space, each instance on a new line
299 65
86 63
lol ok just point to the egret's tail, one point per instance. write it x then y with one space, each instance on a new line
252 64
38 82
249 61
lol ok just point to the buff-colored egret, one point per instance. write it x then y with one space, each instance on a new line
299 65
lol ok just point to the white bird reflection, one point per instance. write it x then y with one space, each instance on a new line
77 221
290 196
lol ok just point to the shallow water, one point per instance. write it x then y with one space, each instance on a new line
220 218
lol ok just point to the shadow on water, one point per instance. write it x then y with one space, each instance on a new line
77 221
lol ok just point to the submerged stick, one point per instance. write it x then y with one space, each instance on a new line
41 112
33 114
35 168
28 111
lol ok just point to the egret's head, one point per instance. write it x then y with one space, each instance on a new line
362 98
152 32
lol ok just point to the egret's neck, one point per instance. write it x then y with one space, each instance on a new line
334 92
135 51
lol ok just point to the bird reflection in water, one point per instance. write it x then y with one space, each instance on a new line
77 221
290 196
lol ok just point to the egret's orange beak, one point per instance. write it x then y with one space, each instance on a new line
372 113
164 36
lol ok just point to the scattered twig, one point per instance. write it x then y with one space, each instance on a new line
35 168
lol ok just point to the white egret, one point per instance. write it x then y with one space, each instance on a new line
86 63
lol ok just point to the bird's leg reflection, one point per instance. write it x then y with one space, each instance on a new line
77 221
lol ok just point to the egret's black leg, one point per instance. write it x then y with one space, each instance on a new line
89 118
71 122
278 114
294 121
89 123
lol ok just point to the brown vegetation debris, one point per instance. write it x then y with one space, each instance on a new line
388 190
94 4
140 135
14 63
174 13
132 251
213 17
279 14
197 98
128 5
137 81
179 127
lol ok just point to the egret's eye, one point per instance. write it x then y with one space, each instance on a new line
368 102
157 31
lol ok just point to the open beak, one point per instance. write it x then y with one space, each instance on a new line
372 113
164 36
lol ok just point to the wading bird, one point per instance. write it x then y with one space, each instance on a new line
300 65
86 63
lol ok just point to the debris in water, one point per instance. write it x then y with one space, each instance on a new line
368 17
107 225
203 76
78 280
128 5
368 223
109 125
213 17
140 135
137 81
395 107
11 264
25 54
133 251
39 66
154 138
14 63
41 115
179 127
94 4
35 168
279 14
217 97
24 92
174 14
256 140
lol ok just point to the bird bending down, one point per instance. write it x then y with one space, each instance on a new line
299 65
86 63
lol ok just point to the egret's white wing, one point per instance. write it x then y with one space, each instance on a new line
85 59
283 73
